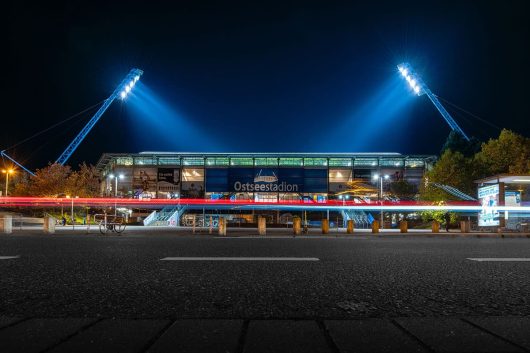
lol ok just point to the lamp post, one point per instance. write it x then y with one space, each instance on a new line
7 172
380 178
111 176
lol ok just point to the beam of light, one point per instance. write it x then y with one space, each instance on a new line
337 205
158 125
376 122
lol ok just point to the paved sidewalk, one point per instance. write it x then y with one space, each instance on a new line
472 334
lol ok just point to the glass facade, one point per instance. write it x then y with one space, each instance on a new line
259 177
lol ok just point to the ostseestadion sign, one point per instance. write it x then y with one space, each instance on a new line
265 180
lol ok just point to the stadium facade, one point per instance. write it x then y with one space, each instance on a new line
267 177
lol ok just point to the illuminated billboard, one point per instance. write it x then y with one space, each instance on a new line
489 198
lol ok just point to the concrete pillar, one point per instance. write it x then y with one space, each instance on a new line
375 226
465 226
6 224
435 227
262 225
403 227
49 225
349 228
222 226
297 229
325 226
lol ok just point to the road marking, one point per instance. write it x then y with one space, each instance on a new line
500 259
9 257
240 259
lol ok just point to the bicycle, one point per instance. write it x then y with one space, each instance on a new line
110 223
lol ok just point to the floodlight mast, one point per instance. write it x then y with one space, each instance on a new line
419 87
120 92
4 154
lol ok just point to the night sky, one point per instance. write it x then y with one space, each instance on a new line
260 76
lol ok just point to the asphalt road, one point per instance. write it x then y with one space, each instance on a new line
348 278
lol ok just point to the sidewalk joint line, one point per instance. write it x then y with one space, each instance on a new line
327 336
493 334
413 336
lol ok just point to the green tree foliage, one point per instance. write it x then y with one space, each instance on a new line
402 189
452 169
457 143
510 153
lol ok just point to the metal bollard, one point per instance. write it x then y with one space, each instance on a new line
222 226
349 228
403 227
297 229
435 227
465 226
49 225
262 226
6 224
375 226
325 226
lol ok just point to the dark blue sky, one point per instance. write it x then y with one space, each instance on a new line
274 76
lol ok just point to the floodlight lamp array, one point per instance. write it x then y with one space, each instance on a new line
411 77
129 82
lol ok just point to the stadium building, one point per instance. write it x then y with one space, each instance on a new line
260 177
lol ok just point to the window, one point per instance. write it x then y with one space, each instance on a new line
192 174
241 161
293 162
193 161
365 162
414 163
266 161
145 161
124 161
315 162
391 162
340 175
217 161
169 161
340 162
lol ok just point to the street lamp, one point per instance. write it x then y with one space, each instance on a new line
380 178
7 172
71 209
121 176
115 177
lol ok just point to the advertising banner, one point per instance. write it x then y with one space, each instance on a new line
512 198
168 182
169 176
144 182
489 199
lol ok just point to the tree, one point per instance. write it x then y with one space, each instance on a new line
50 181
457 143
452 169
84 182
510 153
402 189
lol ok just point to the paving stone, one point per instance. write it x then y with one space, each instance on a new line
200 336
35 335
114 335
454 335
285 336
8 320
371 335
514 329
